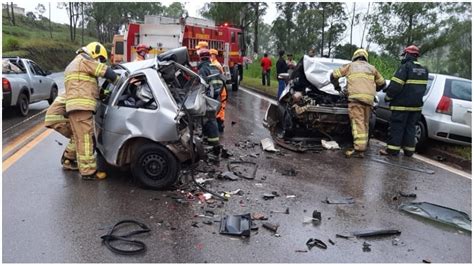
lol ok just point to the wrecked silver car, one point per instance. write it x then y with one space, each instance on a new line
151 119
310 108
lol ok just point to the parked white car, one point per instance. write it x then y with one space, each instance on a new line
24 82
446 114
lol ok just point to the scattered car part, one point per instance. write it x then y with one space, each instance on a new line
287 211
377 232
124 238
271 227
396 242
426 261
341 200
316 216
344 236
236 225
234 164
267 145
407 195
207 222
438 213
268 196
229 175
301 251
416 169
366 247
313 242
290 196
259 216
332 242
330 145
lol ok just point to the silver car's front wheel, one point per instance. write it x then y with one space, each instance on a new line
420 135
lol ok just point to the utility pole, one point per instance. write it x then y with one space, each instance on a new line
50 29
352 22
365 26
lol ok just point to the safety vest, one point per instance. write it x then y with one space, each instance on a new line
362 79
80 81
408 86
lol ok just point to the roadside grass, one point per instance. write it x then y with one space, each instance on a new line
462 151
256 83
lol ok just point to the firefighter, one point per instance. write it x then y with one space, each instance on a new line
56 119
201 45
363 80
405 94
142 51
205 69
223 95
80 81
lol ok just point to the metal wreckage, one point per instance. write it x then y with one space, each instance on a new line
310 109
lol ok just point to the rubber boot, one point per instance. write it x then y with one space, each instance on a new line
97 175
68 164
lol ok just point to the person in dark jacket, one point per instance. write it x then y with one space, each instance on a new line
405 94
281 67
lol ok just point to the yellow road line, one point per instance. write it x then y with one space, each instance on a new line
15 157
18 140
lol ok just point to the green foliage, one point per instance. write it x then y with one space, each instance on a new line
385 64
345 51
256 83
174 10
11 44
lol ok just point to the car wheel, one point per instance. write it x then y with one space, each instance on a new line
420 135
53 94
23 105
236 80
154 166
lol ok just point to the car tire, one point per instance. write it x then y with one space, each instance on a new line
154 166
23 104
236 79
53 94
420 135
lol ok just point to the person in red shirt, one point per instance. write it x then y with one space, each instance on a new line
266 64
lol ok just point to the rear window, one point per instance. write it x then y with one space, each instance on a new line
458 89
119 48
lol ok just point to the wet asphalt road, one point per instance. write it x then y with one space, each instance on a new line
52 216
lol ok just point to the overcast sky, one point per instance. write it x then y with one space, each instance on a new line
60 15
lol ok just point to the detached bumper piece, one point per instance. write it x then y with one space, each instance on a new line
237 225
438 213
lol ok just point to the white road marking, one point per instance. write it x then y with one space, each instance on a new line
416 156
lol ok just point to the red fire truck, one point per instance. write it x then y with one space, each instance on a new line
163 33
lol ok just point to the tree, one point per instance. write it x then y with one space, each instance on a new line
345 51
336 18
260 10
13 14
308 19
354 21
40 9
175 10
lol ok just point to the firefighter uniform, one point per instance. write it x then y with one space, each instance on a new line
220 116
363 80
80 80
55 119
405 93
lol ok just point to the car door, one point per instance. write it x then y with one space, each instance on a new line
44 87
460 92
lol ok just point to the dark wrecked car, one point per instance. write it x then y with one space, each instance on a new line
150 116
310 108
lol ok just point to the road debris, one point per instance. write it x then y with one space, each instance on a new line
234 165
313 242
268 196
289 172
271 227
236 225
341 200
332 242
239 192
438 213
345 236
233 123
366 247
290 196
330 145
207 222
229 176
396 242
426 261
259 216
124 239
301 251
416 169
267 145
317 216
195 224
287 211
377 232
407 195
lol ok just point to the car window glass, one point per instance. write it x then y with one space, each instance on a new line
428 86
32 69
37 69
137 94
458 89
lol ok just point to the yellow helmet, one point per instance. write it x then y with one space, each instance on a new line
202 44
96 50
213 51
359 53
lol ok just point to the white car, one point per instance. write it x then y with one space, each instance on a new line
446 113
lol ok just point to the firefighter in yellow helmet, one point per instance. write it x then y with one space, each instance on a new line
202 45
56 119
363 81
220 116
82 92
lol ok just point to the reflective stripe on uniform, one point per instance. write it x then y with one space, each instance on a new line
99 69
392 147
362 136
55 118
405 108
369 97
337 73
360 141
60 99
81 101
79 76
409 148
71 146
399 81
361 75
213 139
417 81
86 146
